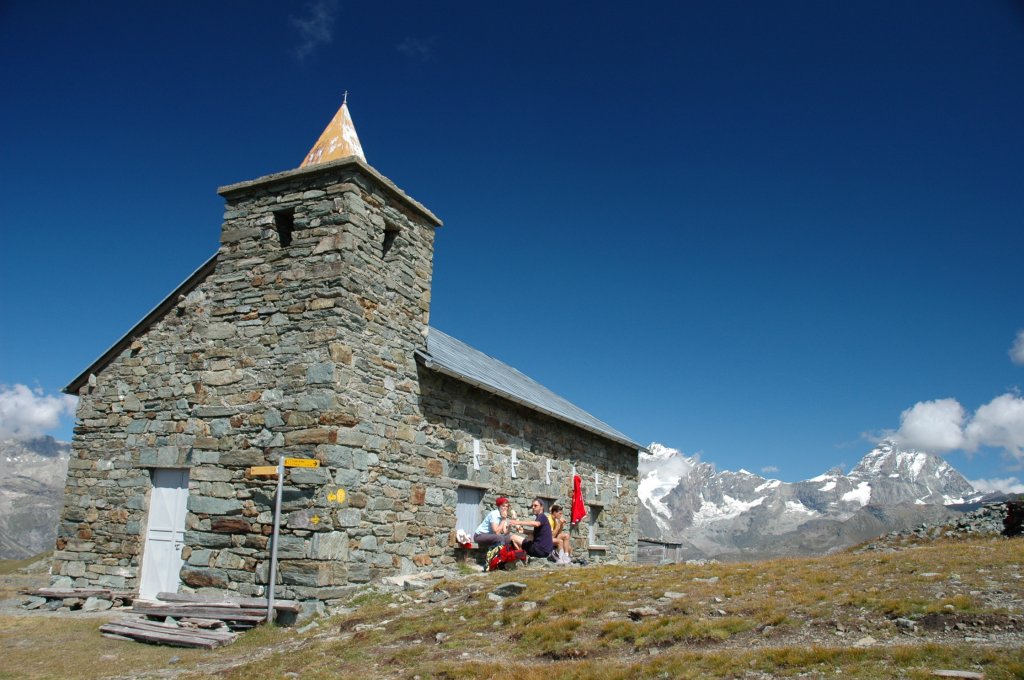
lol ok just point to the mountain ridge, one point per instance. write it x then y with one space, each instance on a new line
31 494
743 515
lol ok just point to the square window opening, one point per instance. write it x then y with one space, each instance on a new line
548 502
390 234
594 526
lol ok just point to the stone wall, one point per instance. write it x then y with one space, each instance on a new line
305 347
137 413
546 449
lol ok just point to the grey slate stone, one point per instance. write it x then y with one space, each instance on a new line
320 373
510 589
214 506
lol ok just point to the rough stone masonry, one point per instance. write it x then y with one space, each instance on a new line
299 338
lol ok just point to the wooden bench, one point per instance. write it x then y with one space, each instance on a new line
473 554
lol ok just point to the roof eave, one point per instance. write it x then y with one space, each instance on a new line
154 314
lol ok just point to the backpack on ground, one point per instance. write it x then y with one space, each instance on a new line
504 557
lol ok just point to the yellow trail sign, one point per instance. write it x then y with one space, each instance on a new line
258 470
301 462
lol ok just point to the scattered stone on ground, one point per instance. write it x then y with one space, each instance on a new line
510 589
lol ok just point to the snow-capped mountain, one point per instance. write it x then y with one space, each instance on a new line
31 494
741 514
896 476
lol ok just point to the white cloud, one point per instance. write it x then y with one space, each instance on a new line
1017 351
316 28
1008 485
999 423
27 413
942 425
934 426
769 469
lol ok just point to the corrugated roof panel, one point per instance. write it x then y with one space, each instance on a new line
456 358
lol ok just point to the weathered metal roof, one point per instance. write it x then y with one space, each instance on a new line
338 140
455 358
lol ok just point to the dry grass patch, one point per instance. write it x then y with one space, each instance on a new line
667 631
709 621
51 647
913 663
13 580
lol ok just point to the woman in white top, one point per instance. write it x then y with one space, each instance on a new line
494 530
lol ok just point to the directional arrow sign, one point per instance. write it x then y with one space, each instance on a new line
301 462
259 470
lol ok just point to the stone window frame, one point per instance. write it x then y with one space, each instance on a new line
594 510
482 491
390 235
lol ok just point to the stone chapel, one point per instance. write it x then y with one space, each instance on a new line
307 335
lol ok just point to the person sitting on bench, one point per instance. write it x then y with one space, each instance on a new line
495 529
541 544
559 535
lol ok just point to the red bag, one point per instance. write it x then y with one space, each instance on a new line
507 557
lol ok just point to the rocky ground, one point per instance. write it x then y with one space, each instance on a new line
434 616
985 521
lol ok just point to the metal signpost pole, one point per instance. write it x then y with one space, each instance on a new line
273 547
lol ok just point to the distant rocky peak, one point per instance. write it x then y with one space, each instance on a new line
662 469
661 452
888 459
896 475
45 446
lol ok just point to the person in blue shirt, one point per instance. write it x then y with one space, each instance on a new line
495 528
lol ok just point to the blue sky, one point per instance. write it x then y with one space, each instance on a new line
763 233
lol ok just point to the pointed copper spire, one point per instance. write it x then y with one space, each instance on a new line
338 140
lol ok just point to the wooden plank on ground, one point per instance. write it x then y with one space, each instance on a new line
71 592
235 614
61 593
149 631
160 638
131 627
243 602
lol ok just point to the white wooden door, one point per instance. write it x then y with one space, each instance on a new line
165 533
